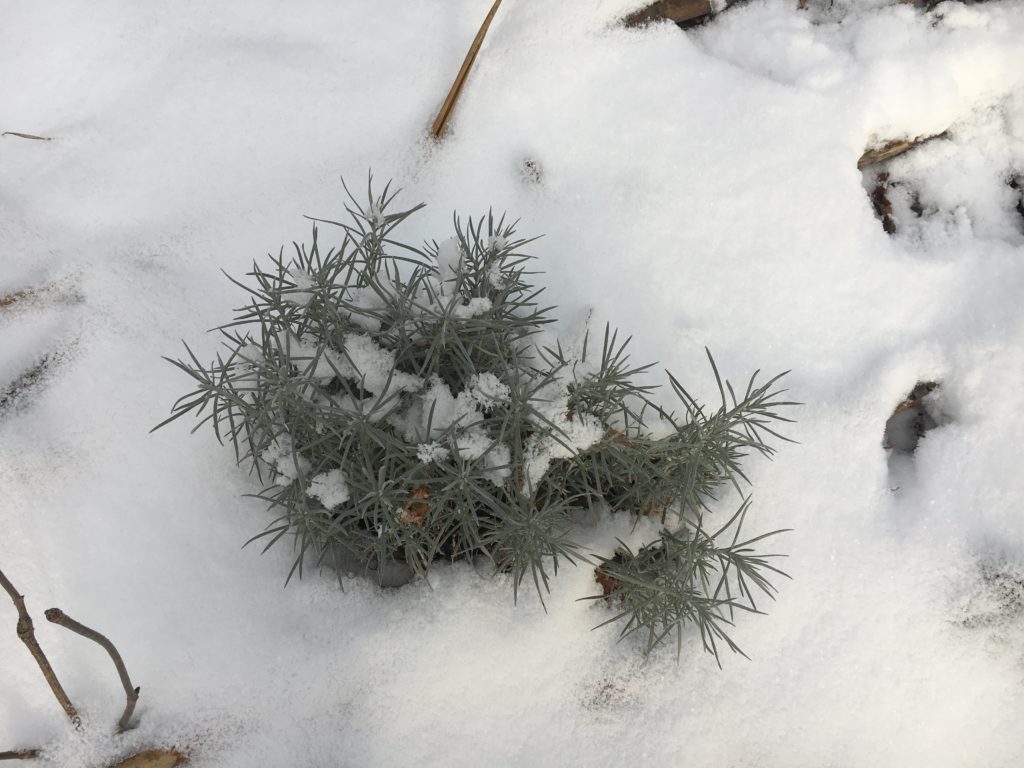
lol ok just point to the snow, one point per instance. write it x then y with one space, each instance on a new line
473 308
431 452
449 258
696 189
487 390
304 284
330 488
372 366
286 461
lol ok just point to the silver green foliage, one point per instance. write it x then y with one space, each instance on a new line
398 406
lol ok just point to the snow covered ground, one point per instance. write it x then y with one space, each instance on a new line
695 188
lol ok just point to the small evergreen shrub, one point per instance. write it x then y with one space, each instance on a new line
399 407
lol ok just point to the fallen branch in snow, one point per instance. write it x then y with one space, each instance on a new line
57 616
685 13
25 136
26 632
19 754
893 149
154 758
441 121
10 298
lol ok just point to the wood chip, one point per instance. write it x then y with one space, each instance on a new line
153 758
891 149
682 12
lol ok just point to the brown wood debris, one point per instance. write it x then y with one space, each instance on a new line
881 203
154 758
20 754
891 149
440 123
685 13
21 135
11 298
1017 184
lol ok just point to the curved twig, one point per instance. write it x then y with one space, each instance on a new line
26 632
21 135
57 616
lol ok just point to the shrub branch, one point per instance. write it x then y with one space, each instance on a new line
57 616
26 631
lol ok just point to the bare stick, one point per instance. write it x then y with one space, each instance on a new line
25 136
28 636
683 12
57 616
19 754
441 121
894 149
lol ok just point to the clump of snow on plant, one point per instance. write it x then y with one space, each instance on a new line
304 285
285 459
473 308
432 452
330 488
449 258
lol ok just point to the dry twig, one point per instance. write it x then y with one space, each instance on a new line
26 632
893 149
57 616
19 754
685 13
25 136
11 298
441 121
154 758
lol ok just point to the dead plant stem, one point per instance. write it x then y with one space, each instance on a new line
441 121
26 631
57 616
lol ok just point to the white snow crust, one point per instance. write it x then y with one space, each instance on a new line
695 188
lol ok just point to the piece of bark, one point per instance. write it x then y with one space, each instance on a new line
153 758
685 13
12 298
882 205
910 420
891 149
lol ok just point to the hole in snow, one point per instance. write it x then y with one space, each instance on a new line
913 417
530 171
1016 183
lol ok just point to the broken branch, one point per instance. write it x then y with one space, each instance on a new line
441 121
25 135
893 149
57 616
19 754
685 13
26 632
